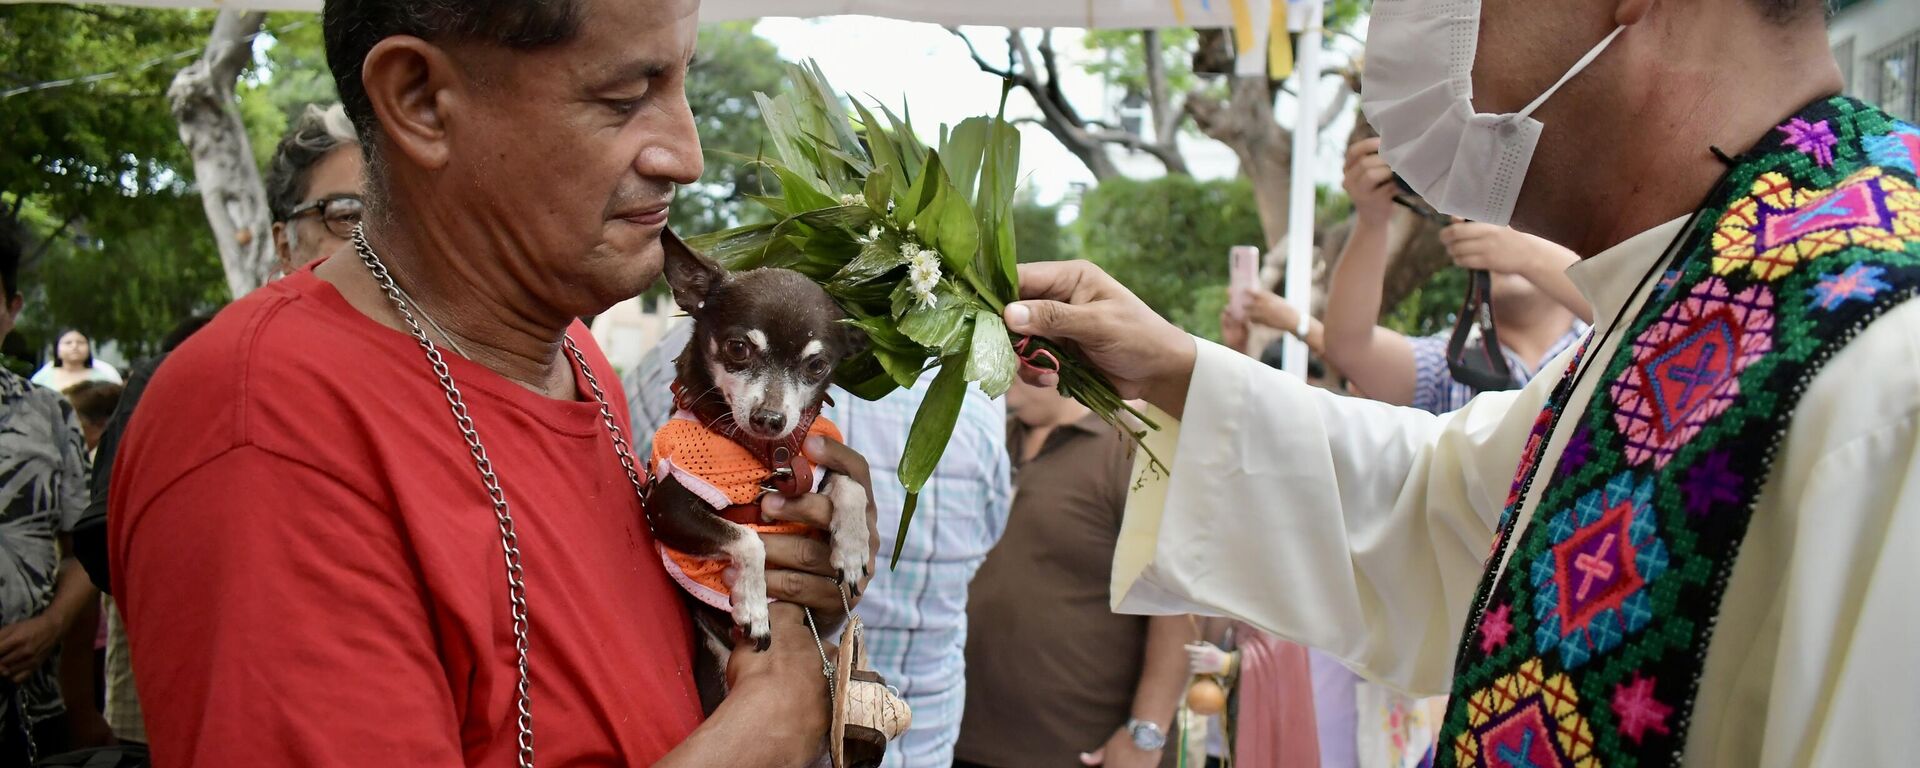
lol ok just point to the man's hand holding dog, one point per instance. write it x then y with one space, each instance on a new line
800 569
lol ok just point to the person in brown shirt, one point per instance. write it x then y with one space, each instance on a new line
1054 677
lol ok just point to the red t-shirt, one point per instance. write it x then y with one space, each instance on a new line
312 575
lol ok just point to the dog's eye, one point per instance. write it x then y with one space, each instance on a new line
817 368
738 350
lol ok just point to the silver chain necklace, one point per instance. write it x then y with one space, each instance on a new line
509 541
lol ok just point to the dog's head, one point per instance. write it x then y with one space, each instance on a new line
767 340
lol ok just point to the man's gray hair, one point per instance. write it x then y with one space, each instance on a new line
318 131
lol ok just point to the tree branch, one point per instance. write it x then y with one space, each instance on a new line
1157 100
1336 106
1168 154
231 46
1051 62
981 61
47 242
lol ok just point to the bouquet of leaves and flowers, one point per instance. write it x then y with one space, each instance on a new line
916 245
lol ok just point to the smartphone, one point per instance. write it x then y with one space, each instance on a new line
1243 276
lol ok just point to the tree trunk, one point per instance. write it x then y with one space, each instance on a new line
230 186
1246 124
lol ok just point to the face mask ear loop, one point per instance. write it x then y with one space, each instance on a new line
1577 66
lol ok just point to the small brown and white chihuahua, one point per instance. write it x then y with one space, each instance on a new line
749 389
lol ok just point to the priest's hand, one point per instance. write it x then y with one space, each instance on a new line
1076 303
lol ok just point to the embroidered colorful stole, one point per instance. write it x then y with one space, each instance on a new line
1587 649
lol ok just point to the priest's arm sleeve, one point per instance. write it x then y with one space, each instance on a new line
1842 569
1348 525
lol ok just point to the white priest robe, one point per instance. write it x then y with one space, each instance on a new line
1362 529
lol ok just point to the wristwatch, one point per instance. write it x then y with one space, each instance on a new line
1146 735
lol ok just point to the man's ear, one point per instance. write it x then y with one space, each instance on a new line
691 275
1630 12
283 247
408 80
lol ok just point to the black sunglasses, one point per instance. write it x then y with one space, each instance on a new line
340 213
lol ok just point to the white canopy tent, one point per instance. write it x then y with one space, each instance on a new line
1030 13
1254 22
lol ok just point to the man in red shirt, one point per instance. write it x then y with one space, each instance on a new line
311 509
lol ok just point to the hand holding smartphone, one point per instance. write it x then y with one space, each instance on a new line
1243 277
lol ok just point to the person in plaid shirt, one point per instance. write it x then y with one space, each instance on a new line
915 614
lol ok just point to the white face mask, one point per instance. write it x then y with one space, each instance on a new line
1417 91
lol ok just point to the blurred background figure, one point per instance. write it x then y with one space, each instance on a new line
73 363
93 403
43 591
1271 706
313 187
916 612
83 648
1266 308
1536 308
1054 677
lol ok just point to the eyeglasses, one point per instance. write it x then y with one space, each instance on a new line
340 213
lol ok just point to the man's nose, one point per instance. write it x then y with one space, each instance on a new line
769 421
673 152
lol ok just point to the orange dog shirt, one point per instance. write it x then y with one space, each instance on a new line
729 478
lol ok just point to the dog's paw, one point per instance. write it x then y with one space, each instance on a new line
748 583
752 616
852 546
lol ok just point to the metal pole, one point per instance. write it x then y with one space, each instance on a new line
1306 143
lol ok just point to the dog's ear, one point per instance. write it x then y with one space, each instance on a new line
691 275
852 339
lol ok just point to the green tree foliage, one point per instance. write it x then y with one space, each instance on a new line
95 174
1167 240
290 72
1432 307
732 64
95 177
1122 59
1037 233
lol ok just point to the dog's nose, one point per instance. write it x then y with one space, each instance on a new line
769 421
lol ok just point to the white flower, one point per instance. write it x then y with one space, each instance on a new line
923 272
912 225
872 236
852 200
